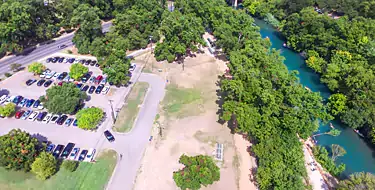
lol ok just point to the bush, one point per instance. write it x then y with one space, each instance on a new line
8 110
8 75
89 118
70 165
36 68
170 58
44 166
70 51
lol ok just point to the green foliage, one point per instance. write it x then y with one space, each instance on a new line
337 151
36 68
15 67
64 99
8 75
8 110
321 155
358 181
272 20
89 118
334 132
18 150
70 165
44 166
116 66
336 103
198 170
77 71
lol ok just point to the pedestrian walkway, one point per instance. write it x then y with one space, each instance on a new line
316 178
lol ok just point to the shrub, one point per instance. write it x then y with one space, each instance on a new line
70 165
8 75
44 166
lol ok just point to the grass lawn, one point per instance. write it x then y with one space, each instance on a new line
177 97
128 113
90 176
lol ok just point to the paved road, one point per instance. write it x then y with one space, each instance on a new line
41 51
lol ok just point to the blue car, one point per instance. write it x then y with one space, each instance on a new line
29 103
17 100
75 123
50 147
36 104
23 102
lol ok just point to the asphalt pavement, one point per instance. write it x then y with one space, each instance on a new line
42 51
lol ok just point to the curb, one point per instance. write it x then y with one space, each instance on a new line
114 171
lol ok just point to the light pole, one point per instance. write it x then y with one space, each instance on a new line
152 63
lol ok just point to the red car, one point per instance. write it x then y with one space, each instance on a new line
60 83
98 79
19 113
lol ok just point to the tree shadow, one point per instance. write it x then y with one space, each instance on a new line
4 92
220 100
26 51
221 56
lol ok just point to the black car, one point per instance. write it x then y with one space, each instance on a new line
92 89
69 147
41 116
30 82
82 61
86 77
61 59
62 76
55 59
93 63
62 46
109 136
41 82
84 89
46 84
61 120
36 103
56 153
79 85
49 60
82 155
99 89
88 62
97 65
72 60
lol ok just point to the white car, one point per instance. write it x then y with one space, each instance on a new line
104 81
92 79
76 60
105 90
56 75
47 118
50 75
32 117
132 66
10 99
40 107
66 60
90 155
73 154
67 78
43 75
3 98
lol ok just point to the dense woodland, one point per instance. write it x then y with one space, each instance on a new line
339 42
263 100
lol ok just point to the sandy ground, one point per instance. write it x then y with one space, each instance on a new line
196 132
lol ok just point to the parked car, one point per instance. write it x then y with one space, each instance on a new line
30 103
84 89
40 107
92 79
90 155
48 60
67 78
56 153
92 89
82 155
68 122
93 63
61 59
3 98
74 154
19 114
69 147
60 83
41 82
23 102
49 82
99 89
55 59
50 148
72 60
17 99
104 81
36 104
109 136
75 123
62 76
41 116
50 74
88 62
79 85
32 117
105 90
98 79
54 119
132 66
10 99
82 61
30 82
47 118
61 120
26 114
85 77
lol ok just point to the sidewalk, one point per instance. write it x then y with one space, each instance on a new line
316 178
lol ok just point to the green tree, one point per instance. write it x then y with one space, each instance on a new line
89 118
18 150
36 68
70 165
337 151
8 110
332 132
116 66
315 62
64 99
77 71
358 181
44 166
15 67
337 103
321 155
198 170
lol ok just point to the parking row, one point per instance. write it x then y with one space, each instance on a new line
72 60
71 152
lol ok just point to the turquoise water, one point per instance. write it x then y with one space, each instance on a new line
359 156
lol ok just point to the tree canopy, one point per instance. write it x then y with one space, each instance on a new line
36 68
77 71
64 99
358 181
89 118
198 170
8 110
44 166
18 150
